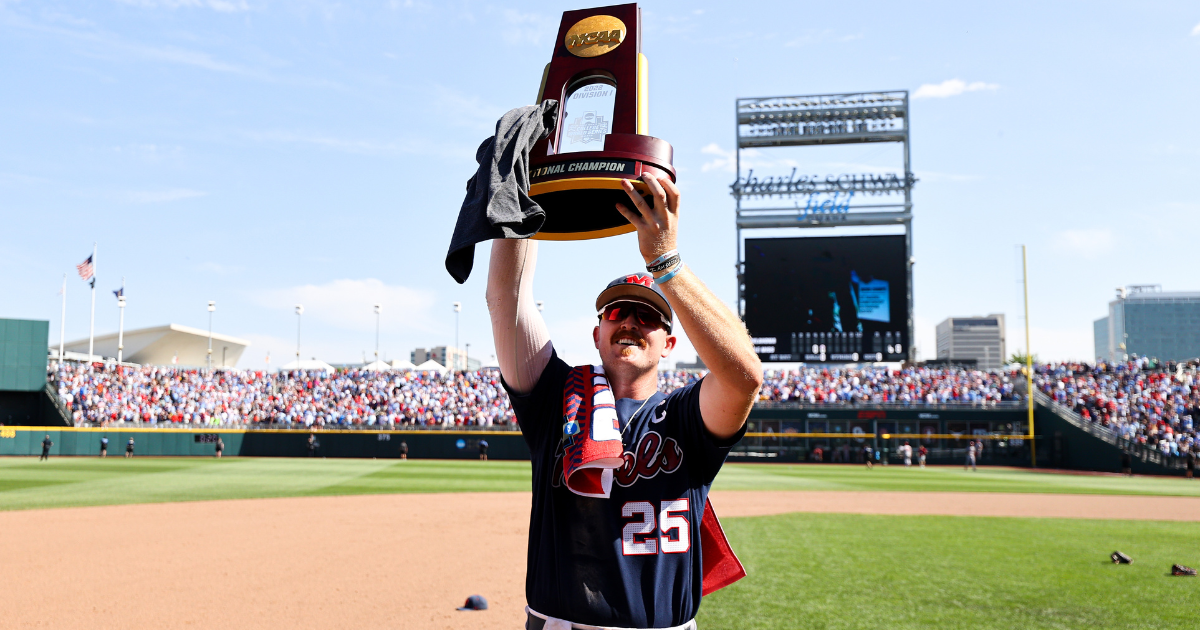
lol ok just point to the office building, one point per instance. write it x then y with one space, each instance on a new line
448 356
1149 322
978 339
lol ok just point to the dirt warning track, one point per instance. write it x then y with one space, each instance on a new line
380 561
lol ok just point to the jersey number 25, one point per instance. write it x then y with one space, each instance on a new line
638 537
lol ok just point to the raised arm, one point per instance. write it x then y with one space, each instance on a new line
523 346
720 338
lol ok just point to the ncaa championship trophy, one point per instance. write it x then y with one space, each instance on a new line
599 77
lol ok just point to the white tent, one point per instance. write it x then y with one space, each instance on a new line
377 366
402 365
430 366
306 364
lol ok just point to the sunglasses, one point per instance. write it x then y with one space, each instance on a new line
645 315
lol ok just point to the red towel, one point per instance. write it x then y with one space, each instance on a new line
592 447
592 450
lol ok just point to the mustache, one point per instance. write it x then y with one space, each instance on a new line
629 334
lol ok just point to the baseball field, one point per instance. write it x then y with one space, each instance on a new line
329 543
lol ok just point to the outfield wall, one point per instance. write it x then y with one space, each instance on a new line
779 434
508 445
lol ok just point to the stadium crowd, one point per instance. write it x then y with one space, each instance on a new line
874 385
95 394
99 395
1140 400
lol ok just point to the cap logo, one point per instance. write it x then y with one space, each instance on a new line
642 280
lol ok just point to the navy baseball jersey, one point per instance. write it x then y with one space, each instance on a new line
631 560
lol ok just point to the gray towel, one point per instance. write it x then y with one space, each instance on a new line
497 203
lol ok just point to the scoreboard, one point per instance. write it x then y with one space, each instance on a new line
839 299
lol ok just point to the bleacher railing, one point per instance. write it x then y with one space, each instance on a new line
1144 452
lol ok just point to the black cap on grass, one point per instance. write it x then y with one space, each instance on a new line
475 602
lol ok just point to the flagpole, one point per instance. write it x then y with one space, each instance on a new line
92 324
62 323
121 326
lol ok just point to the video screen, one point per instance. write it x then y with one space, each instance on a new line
840 299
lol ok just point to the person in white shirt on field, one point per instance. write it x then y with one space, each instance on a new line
906 452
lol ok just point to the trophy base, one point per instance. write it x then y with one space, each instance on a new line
580 191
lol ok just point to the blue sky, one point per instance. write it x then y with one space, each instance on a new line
263 154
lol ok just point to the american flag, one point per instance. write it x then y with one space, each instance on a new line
86 269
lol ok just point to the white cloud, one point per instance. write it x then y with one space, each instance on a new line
369 147
951 87
221 6
465 110
1072 343
149 152
1196 30
528 28
347 304
819 37
218 268
162 196
725 160
1087 242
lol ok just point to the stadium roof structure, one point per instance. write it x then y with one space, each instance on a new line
170 345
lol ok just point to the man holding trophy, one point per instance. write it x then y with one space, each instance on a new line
631 560
621 532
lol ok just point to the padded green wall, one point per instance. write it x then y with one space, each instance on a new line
23 354
188 442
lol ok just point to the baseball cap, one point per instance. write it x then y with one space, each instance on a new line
640 286
474 602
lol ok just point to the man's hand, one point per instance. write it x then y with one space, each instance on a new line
656 227
720 338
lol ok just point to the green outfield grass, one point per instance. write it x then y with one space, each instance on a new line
806 570
26 483
835 571
942 479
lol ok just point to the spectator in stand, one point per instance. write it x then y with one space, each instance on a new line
100 395
909 386
1140 401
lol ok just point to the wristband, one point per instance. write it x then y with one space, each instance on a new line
673 252
670 274
664 265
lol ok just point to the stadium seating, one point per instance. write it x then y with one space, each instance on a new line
97 395
108 394
1139 401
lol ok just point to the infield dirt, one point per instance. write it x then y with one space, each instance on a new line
377 561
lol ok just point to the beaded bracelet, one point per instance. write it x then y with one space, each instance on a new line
670 274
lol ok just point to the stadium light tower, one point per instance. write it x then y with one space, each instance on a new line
457 308
299 312
212 306
378 310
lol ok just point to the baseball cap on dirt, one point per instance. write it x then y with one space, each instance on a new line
638 285
475 602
